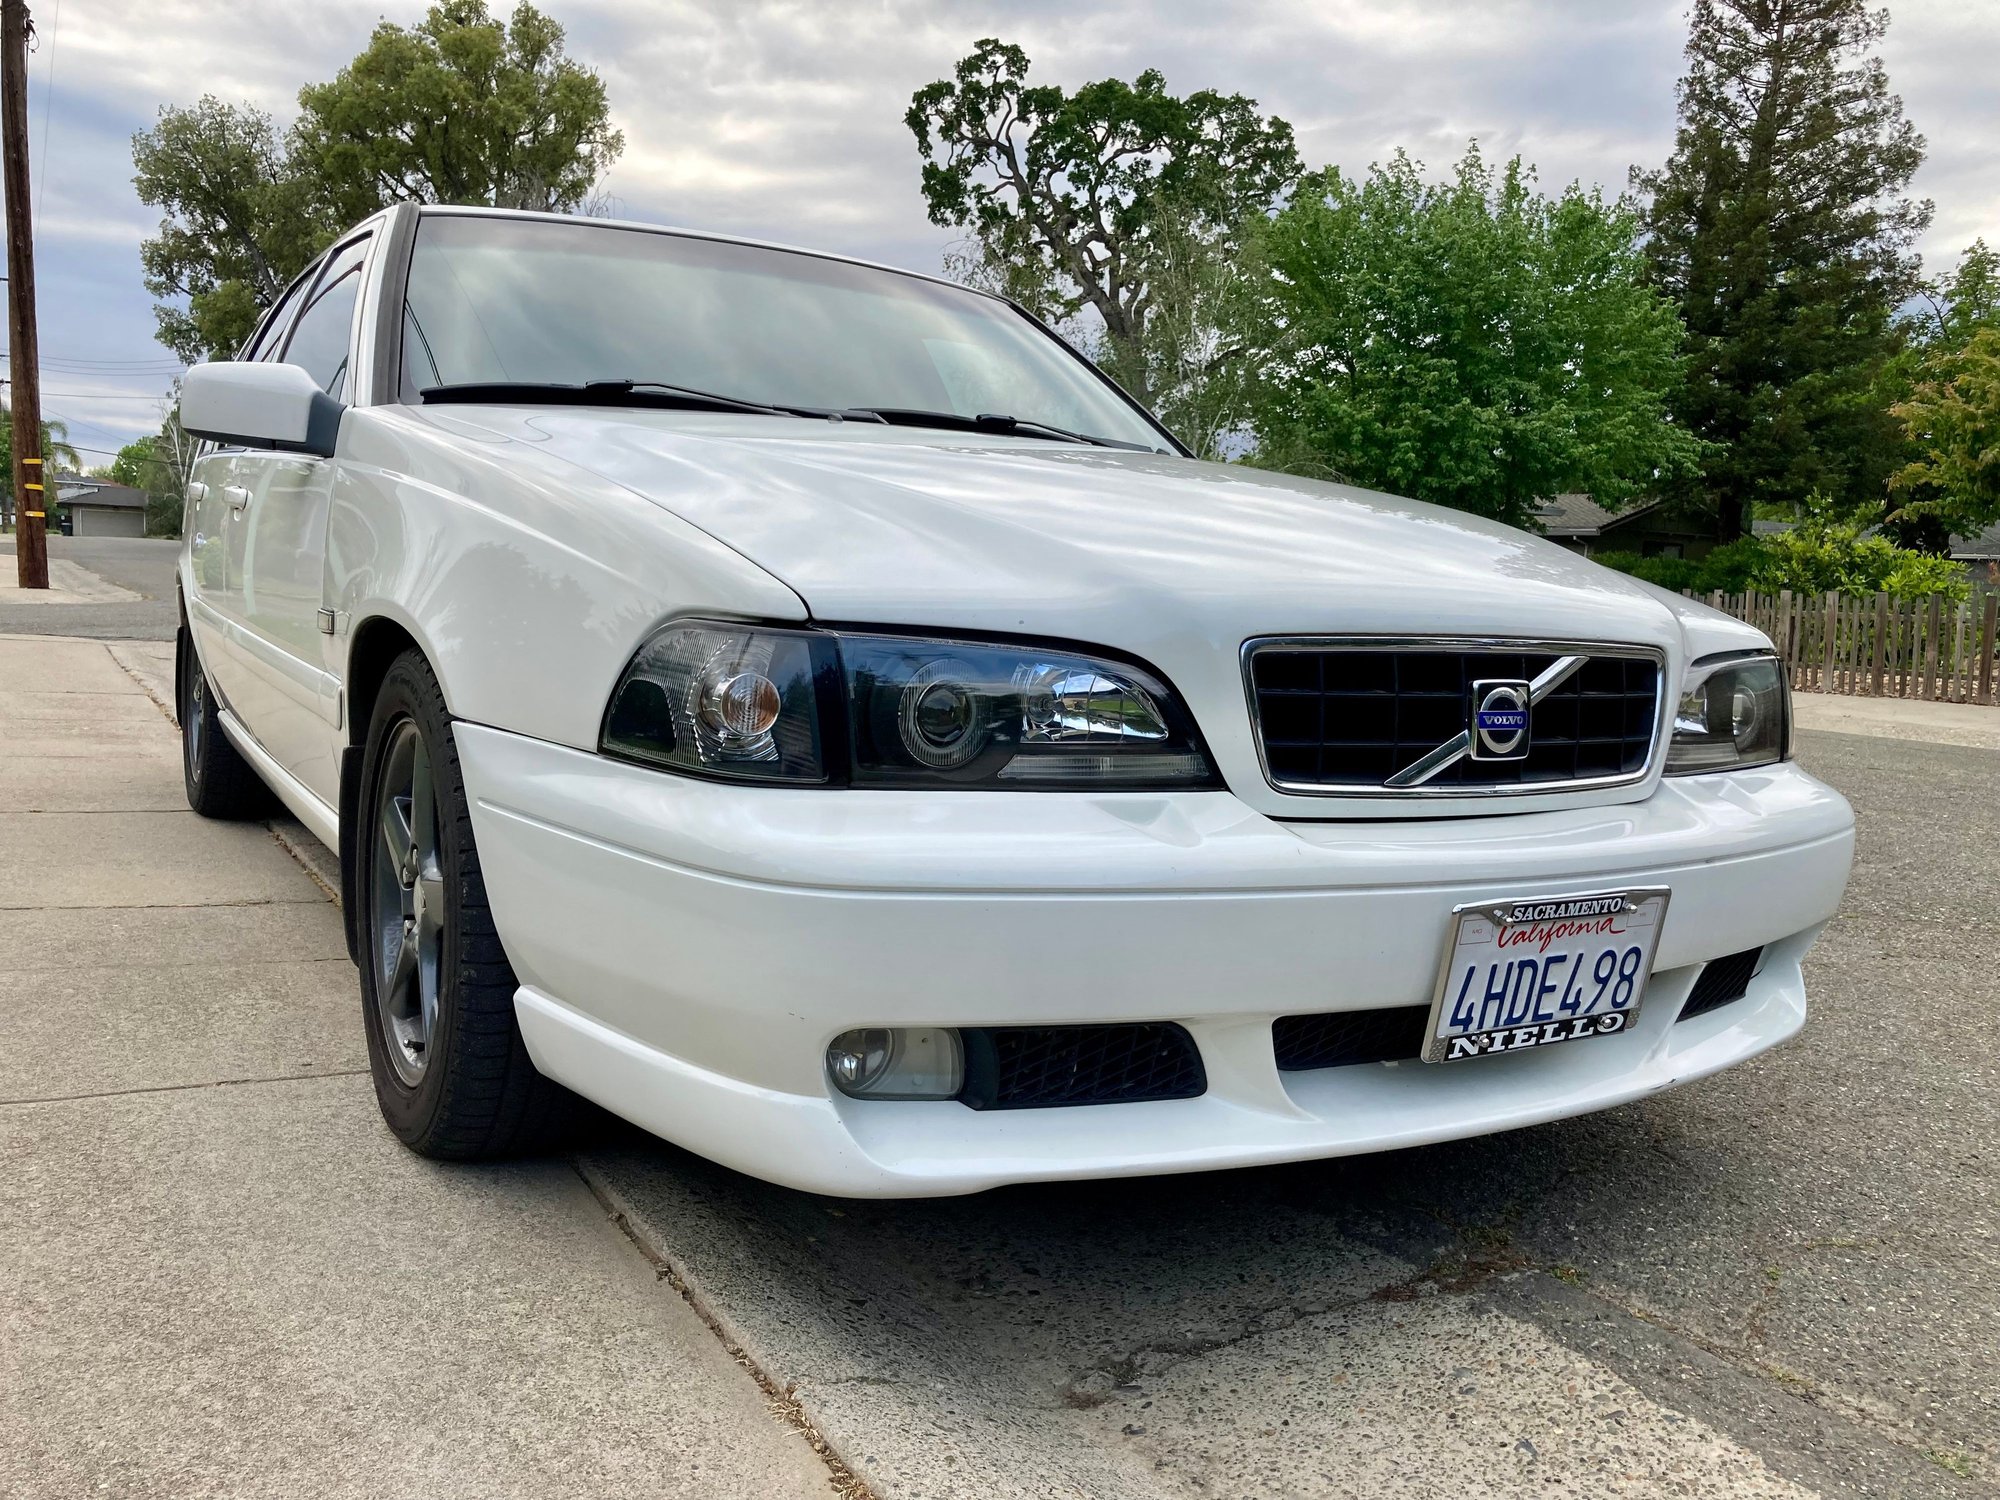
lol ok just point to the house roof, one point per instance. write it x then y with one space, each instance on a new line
1580 516
74 489
1984 547
1571 515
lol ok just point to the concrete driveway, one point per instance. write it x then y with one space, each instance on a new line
218 1273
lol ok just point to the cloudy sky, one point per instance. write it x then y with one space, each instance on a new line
783 118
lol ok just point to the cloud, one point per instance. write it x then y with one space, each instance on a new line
782 119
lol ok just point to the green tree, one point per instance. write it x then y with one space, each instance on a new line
57 454
240 222
460 108
1083 200
1781 228
1473 343
1953 418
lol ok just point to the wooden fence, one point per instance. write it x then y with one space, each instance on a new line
1879 647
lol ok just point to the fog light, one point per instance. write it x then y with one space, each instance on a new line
882 1062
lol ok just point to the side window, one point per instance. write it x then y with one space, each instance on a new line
319 344
265 342
320 340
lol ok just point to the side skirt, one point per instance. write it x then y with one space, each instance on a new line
320 820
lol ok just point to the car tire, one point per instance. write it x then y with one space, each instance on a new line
451 1071
219 781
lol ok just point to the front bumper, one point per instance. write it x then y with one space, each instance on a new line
688 949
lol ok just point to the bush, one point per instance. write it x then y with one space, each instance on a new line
1677 573
1823 554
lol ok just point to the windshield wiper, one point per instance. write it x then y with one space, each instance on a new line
652 393
986 421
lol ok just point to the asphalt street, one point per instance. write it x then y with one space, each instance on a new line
1797 1260
1782 1281
142 565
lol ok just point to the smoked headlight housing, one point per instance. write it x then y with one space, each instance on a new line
1734 712
760 703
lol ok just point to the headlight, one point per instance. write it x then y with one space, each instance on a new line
1733 713
804 706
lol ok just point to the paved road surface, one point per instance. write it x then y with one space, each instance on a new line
145 566
1784 1281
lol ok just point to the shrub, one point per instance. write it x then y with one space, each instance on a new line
1824 553
1822 556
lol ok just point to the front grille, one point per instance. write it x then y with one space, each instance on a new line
1039 1067
1350 1036
1347 718
1722 980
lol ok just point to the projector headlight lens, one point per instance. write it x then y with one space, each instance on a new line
808 707
1733 714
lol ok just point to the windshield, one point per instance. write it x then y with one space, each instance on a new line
524 300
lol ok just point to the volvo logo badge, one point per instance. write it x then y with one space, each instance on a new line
1500 720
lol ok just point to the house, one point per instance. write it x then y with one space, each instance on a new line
1651 528
97 507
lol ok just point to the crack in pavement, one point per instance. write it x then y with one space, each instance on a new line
181 1088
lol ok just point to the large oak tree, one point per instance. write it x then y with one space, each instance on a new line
460 108
1095 198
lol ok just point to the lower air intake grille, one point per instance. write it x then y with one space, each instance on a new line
1350 1036
1722 980
1038 1067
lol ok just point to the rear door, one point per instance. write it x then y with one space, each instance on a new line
284 557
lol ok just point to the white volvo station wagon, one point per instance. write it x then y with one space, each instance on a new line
806 708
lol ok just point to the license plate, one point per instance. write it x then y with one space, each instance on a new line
1541 970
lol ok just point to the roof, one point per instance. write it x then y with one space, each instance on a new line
1571 515
1579 515
73 489
1984 547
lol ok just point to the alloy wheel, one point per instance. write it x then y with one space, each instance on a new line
407 903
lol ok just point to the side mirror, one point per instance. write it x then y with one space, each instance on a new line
260 406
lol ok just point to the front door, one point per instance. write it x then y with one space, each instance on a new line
284 561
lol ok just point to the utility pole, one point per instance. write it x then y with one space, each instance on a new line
31 548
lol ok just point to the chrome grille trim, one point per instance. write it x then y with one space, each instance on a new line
1451 750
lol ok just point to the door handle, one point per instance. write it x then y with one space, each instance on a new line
197 491
236 495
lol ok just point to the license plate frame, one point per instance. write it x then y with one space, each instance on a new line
1644 921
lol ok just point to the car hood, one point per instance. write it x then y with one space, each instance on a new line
900 526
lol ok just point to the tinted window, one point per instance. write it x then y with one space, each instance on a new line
271 336
320 342
547 302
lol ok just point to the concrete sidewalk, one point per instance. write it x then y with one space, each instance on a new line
219 1273
1973 724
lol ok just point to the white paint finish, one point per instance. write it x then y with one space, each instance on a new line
528 582
690 949
897 1150
269 403
284 564
1174 561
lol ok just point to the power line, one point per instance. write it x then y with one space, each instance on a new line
48 106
